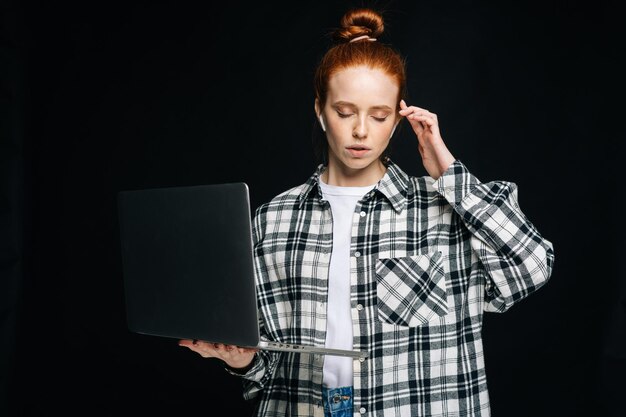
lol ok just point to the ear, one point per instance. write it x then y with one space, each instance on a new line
322 123
394 127
318 111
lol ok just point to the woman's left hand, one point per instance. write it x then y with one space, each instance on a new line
435 155
233 356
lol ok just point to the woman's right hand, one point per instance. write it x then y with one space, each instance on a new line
236 357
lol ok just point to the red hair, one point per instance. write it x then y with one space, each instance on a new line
363 52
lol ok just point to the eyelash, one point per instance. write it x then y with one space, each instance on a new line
378 119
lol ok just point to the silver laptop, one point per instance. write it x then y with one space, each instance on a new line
188 266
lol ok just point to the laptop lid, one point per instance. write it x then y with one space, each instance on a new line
188 266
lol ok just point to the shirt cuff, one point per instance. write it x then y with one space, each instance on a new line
456 182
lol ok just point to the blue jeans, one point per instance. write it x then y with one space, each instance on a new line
337 402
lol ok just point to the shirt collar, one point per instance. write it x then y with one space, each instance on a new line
393 185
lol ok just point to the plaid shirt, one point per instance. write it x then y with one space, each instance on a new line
427 258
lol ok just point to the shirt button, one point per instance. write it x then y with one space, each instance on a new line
361 359
357 254
362 410
362 214
359 307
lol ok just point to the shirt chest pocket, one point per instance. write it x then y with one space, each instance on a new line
411 290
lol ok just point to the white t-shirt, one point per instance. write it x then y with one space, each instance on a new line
338 369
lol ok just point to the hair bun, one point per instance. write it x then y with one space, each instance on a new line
359 22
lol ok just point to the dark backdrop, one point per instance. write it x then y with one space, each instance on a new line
100 98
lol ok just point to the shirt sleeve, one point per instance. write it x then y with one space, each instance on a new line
265 362
516 259
256 376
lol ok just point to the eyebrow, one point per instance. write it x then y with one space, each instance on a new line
348 104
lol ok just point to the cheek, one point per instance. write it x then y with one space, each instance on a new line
338 133
383 136
331 139
338 127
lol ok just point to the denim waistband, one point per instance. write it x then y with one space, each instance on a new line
337 401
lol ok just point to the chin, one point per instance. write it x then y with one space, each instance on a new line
357 163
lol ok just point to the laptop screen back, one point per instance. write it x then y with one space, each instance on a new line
188 263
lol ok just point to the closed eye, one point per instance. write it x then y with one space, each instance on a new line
344 115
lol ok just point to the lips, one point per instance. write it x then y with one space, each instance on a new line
359 148
358 151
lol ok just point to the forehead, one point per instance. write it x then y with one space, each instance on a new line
364 87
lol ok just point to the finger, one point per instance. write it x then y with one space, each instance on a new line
417 126
186 342
416 111
427 119
202 344
407 110
204 349
204 352
420 119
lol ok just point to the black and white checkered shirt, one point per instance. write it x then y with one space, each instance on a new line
427 259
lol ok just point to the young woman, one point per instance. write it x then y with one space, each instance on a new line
363 256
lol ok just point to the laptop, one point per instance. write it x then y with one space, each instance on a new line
188 266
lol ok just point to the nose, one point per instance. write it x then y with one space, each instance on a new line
360 128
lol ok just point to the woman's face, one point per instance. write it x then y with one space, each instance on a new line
359 118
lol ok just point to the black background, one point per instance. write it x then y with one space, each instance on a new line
100 98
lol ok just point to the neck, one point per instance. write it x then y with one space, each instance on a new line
343 176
